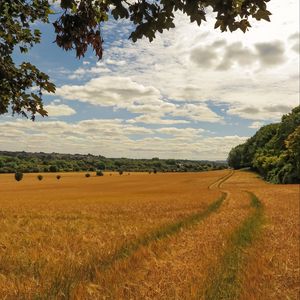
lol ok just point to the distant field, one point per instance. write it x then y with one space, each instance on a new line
210 235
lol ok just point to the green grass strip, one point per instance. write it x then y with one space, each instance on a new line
226 283
162 232
65 283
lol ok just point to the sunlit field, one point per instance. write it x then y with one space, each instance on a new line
209 235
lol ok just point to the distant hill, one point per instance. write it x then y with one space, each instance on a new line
27 162
274 151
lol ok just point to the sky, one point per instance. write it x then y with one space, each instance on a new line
193 93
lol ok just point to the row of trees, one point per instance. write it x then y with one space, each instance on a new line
274 151
25 162
19 176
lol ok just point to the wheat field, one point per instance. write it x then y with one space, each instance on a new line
209 235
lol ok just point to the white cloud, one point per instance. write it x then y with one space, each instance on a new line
110 91
273 112
256 125
197 112
81 73
181 132
156 119
57 110
115 62
113 138
222 56
191 65
181 78
271 53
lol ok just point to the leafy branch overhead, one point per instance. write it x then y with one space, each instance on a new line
78 26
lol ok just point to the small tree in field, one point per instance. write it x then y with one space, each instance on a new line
40 177
121 172
18 176
154 171
58 177
99 173
87 175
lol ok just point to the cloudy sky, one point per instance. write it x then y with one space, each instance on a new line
192 93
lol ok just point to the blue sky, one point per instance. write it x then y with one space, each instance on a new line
192 93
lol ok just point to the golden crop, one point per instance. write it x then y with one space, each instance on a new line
142 236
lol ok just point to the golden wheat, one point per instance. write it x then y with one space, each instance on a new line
143 236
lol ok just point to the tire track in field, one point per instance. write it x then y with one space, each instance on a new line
163 232
169 229
226 277
180 266
217 184
90 271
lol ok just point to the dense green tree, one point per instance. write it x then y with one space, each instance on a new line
293 149
274 151
235 157
29 162
77 26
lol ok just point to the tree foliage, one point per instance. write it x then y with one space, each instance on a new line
274 151
77 26
54 162
21 87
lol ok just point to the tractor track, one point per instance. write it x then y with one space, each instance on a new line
171 228
94 268
191 253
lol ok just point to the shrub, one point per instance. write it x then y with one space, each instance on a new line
18 176
58 177
120 172
87 175
39 177
154 171
99 173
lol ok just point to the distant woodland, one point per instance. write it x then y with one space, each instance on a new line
11 162
274 151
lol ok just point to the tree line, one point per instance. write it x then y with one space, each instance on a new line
11 162
274 151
